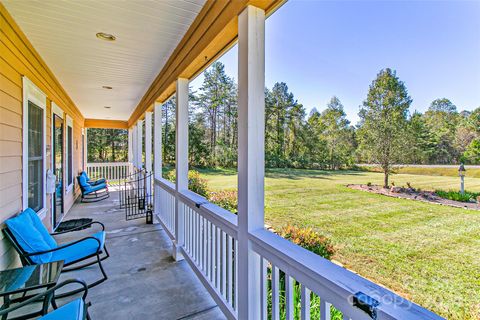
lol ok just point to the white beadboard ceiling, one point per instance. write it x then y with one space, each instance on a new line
63 33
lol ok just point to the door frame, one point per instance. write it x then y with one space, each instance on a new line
57 111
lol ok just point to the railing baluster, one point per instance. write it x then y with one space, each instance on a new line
229 270
289 297
224 264
275 293
305 303
263 287
324 310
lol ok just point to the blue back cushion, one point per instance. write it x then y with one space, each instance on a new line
37 223
28 237
82 181
85 175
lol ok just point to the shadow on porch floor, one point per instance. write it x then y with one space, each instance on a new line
144 281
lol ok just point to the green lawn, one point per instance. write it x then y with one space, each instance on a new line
427 253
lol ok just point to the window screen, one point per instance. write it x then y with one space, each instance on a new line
35 157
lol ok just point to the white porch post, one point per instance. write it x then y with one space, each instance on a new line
157 151
134 146
251 155
157 140
130 146
148 147
181 161
140 144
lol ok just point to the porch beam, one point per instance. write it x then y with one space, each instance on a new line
251 155
181 161
105 124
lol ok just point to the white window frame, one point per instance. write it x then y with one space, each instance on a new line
56 110
32 93
69 123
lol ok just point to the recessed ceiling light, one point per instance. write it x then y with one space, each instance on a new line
107 87
107 107
106 36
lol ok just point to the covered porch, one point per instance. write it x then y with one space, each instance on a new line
201 261
144 281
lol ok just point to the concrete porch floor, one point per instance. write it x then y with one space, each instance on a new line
144 281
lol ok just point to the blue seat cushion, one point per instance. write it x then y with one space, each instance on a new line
93 182
74 310
95 188
38 224
79 250
28 237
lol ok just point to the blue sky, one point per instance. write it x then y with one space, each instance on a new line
326 48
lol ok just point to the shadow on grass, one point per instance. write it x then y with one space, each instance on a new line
284 173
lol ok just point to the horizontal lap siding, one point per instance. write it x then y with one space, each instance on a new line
18 58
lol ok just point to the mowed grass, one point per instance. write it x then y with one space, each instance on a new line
427 253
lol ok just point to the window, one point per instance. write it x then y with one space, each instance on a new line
69 154
34 166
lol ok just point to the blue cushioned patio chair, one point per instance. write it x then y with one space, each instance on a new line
92 193
36 245
93 182
74 310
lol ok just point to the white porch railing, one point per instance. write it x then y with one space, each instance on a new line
114 172
293 280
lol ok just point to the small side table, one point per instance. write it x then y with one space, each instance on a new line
28 278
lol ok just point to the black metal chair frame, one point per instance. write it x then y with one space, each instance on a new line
95 196
25 256
48 297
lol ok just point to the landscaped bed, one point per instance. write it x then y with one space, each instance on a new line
434 197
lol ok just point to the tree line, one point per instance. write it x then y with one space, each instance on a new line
388 132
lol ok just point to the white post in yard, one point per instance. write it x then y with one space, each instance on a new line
157 151
251 155
181 161
148 148
140 144
157 140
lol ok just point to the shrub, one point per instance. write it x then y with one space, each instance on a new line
457 196
196 183
369 184
308 239
227 199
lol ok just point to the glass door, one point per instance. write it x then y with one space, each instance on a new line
58 168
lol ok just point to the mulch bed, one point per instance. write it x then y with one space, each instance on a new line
412 194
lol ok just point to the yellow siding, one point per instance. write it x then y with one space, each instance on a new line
19 58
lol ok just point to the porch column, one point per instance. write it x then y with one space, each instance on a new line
157 151
157 140
148 147
181 160
140 144
130 145
134 146
251 155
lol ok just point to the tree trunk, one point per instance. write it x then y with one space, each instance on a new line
385 178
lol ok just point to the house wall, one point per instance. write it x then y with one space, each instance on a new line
18 58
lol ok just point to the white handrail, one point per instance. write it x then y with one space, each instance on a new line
210 248
113 172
